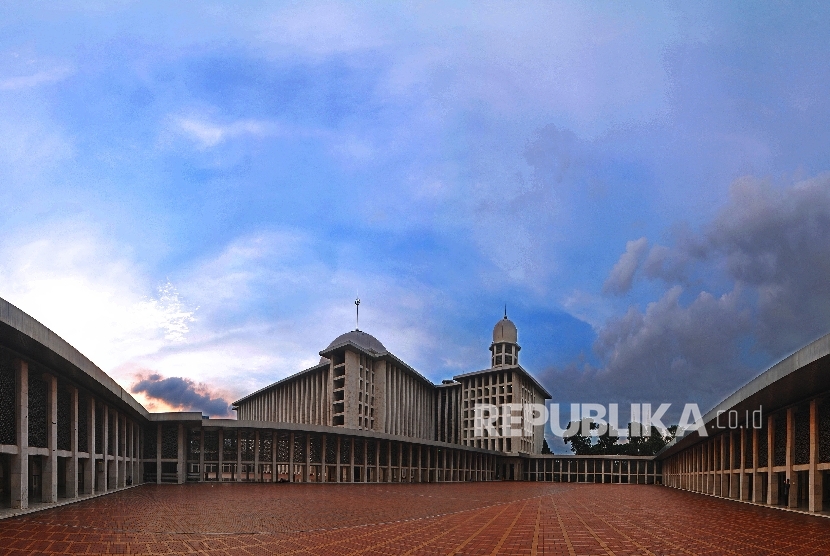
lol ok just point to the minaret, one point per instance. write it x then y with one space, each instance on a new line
504 351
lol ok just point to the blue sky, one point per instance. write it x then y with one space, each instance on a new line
197 193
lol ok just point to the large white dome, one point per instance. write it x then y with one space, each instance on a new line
360 339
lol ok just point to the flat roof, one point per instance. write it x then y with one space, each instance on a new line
513 368
304 427
281 381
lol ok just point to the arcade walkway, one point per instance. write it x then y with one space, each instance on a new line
472 518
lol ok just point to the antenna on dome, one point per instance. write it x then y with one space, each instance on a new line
505 310
357 312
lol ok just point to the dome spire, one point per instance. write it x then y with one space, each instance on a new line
357 313
505 311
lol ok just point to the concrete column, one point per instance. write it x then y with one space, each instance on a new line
128 450
20 461
772 484
129 454
72 464
257 476
158 453
89 469
201 455
105 441
238 475
351 460
325 467
337 458
182 456
757 487
221 460
377 460
122 439
307 469
138 470
716 465
140 448
116 444
134 452
388 461
814 492
744 493
50 462
792 502
291 457
274 456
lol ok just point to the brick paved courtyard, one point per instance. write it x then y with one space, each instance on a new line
471 518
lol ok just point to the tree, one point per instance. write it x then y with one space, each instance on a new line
654 443
607 443
545 447
636 445
580 444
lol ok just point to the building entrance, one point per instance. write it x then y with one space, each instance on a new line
81 467
781 478
62 477
5 481
803 481
35 479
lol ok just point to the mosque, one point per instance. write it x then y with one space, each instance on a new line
68 430
360 385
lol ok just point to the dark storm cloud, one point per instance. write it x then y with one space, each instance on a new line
777 242
767 250
182 393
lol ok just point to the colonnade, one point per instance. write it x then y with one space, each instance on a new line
593 469
65 442
753 461
271 455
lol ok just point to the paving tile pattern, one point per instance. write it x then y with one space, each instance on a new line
471 518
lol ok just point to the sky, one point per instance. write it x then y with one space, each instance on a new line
195 193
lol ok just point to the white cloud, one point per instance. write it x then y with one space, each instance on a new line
268 305
43 77
29 144
320 29
208 134
256 311
87 292
587 307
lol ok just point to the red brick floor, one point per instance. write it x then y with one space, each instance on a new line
470 518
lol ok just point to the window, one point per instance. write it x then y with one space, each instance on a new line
498 360
508 349
498 348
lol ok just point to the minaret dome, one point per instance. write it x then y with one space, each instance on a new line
504 351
